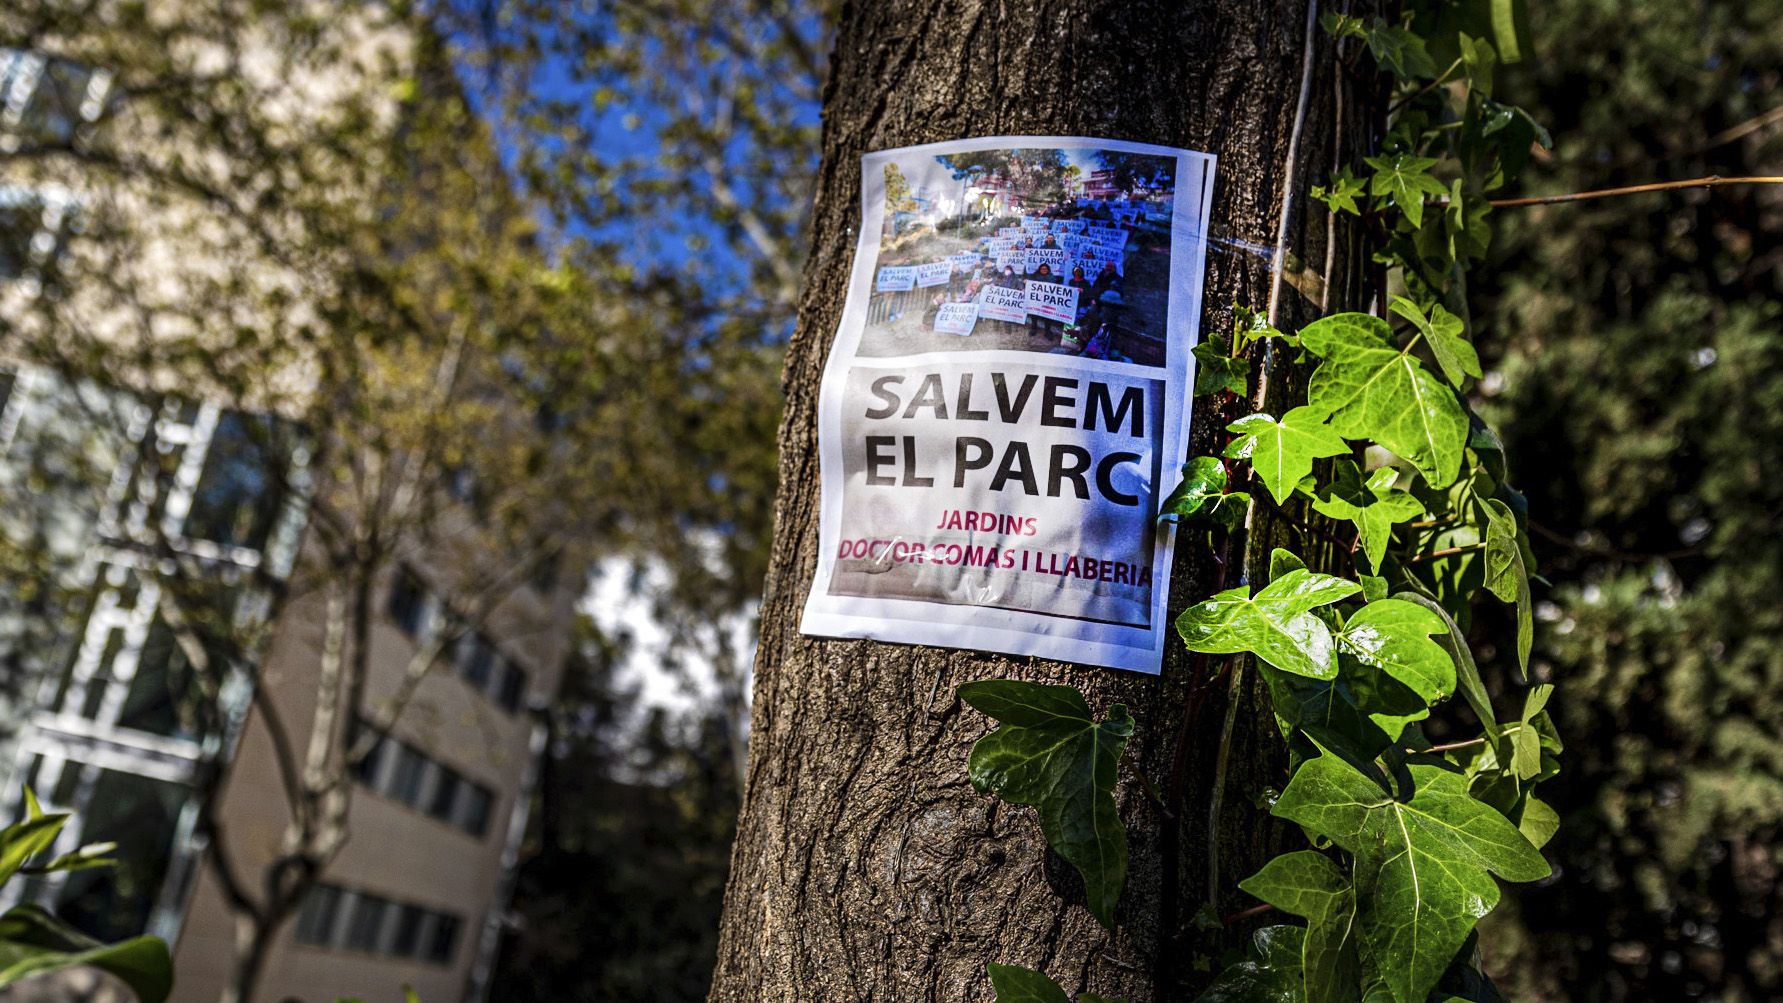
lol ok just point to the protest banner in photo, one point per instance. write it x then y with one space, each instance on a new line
1034 223
964 261
1052 300
933 273
1107 235
1003 303
896 279
1053 257
957 318
1009 231
987 492
995 244
1015 258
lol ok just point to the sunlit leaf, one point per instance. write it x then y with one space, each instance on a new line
1282 452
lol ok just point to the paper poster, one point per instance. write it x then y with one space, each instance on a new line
957 318
1052 301
896 279
1003 303
933 273
990 478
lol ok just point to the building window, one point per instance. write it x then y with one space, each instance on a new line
474 815
408 604
445 792
407 939
441 942
237 500
405 779
513 687
368 922
315 924
476 660
413 929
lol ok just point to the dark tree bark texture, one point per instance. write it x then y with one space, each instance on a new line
866 867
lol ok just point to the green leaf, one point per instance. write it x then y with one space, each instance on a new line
1309 885
23 840
1372 505
1526 741
1539 821
1282 452
1340 196
1446 336
1394 636
1464 220
1052 754
1508 29
1507 577
1423 866
1282 561
32 942
1272 973
1015 984
1216 371
1405 181
1480 60
1467 674
1375 391
1276 625
1251 326
1341 26
1399 51
1373 587
1203 484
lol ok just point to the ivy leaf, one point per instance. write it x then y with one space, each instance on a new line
1507 577
1309 885
1394 636
1216 371
1342 26
1445 334
1539 821
1203 483
1423 866
1251 326
1467 674
1281 452
1405 181
1375 391
1400 51
1276 625
1015 984
1272 973
1372 505
1340 195
1465 219
25 839
33 942
1526 741
1052 754
1480 60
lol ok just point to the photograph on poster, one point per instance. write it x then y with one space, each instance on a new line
1065 251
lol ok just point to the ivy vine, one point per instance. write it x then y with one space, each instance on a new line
1400 495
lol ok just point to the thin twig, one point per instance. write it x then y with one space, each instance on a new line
1711 181
1431 555
1244 914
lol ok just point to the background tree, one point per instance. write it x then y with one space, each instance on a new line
1638 351
302 218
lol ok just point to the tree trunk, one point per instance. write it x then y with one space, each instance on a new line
866 867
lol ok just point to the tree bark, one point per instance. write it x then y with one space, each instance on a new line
866 867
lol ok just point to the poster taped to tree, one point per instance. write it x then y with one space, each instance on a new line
993 484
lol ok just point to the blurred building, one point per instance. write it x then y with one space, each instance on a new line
113 719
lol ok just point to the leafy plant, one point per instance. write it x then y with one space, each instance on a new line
1406 494
33 942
